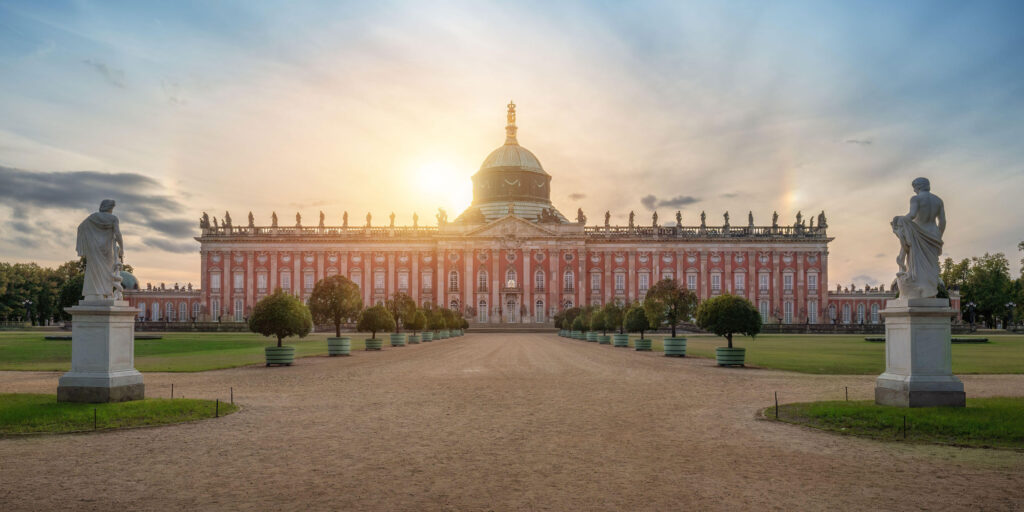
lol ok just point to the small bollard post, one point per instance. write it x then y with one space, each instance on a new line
776 405
216 409
232 396
94 422
904 426
847 393
172 390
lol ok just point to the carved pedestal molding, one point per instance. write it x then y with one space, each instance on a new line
918 356
102 354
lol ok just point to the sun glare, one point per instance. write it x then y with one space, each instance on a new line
449 187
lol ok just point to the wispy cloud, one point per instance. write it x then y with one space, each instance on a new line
860 142
651 202
172 246
576 196
113 76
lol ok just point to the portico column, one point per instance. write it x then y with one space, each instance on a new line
527 283
204 278
226 283
273 271
554 281
496 304
414 279
776 293
609 288
467 291
391 275
631 276
705 291
581 262
442 280
368 283
752 279
250 278
297 274
730 281
799 287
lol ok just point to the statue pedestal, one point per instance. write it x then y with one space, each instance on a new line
102 354
918 356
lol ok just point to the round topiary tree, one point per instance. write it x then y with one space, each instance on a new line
577 324
636 320
598 322
669 302
614 316
282 315
335 300
376 318
402 308
417 322
726 315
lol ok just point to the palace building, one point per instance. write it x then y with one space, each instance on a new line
513 257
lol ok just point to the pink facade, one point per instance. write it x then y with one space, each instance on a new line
167 304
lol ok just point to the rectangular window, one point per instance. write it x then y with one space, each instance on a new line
261 282
195 311
142 310
645 282
238 310
716 282
215 310
787 282
403 281
378 281
812 282
538 281
620 282
764 310
741 282
307 281
286 281
595 282
428 280
215 281
788 312
667 275
691 281
239 280
763 282
812 311
357 278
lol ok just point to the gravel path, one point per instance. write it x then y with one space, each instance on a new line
500 422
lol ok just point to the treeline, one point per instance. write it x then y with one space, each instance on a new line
987 282
30 293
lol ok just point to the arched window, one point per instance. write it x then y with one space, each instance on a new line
538 311
142 310
812 311
511 278
453 281
763 307
832 312
568 304
570 281
595 281
239 311
481 311
195 310
481 281
787 312
183 312
538 280
169 311
846 313
356 277
155 312
454 305
215 310
874 313
668 275
860 313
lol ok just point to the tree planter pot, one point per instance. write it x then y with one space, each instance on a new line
339 346
444 334
591 336
642 345
675 347
620 340
604 339
577 335
428 336
562 332
414 339
726 356
397 339
284 356
374 344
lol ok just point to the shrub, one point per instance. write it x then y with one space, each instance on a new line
435 319
402 308
726 315
636 320
667 301
335 300
614 316
374 319
577 324
598 322
282 315
417 322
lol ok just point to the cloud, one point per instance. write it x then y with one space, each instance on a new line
139 198
172 90
880 255
650 201
113 76
576 196
170 246
865 279
730 195
860 142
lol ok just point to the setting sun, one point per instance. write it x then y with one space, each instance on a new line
446 185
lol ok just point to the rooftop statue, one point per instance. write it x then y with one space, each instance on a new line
227 220
252 220
654 219
344 219
821 220
703 219
799 218
631 214
204 221
580 218
215 226
679 219
100 243
415 219
750 219
368 219
607 218
321 218
273 219
726 217
775 219
442 217
298 220
920 233
392 219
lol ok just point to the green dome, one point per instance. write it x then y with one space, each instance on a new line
128 281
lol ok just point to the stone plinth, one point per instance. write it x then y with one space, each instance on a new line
102 354
918 356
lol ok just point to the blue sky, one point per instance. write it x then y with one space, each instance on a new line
391 106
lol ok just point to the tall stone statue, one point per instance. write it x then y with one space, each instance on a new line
679 219
920 234
726 218
631 214
580 218
369 218
415 219
799 218
298 220
322 216
273 219
227 220
442 217
392 219
607 218
750 218
100 243
252 220
204 221
775 219
821 220
654 219
703 219
215 226
344 219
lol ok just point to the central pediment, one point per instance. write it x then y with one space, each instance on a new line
512 227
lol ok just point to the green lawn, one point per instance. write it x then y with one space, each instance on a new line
985 422
850 354
176 352
25 413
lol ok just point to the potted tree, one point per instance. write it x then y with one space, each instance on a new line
417 323
465 325
577 328
282 315
726 315
586 313
599 323
434 324
559 321
442 323
336 300
402 307
636 321
376 318
614 317
669 303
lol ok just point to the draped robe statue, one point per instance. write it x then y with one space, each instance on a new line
920 234
99 242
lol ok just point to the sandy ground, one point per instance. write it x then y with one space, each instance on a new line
500 422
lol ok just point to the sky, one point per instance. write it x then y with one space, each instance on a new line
176 108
